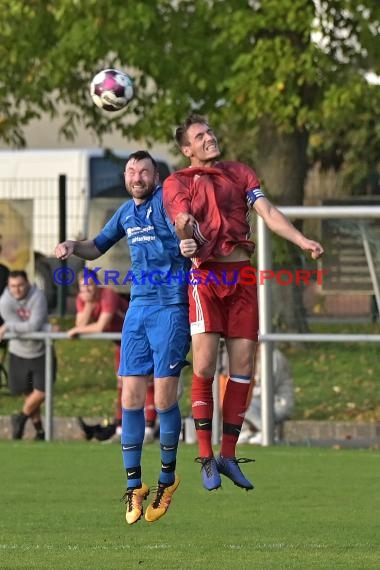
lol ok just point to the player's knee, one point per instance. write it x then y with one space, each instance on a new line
37 395
164 403
206 370
130 402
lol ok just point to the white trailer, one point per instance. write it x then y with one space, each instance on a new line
95 188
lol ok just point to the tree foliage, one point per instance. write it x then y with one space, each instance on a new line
295 65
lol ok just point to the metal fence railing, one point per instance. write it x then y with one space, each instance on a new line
267 336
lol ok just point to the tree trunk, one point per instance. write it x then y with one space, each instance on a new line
281 164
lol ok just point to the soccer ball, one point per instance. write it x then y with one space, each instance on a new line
111 89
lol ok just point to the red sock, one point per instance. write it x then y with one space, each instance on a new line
150 410
202 404
234 406
119 407
118 411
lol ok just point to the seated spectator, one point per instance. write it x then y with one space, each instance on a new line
23 308
100 309
151 417
283 398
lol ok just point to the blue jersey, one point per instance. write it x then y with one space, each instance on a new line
158 271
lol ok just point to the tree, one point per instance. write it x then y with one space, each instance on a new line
286 74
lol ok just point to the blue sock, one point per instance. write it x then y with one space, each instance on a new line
170 429
132 437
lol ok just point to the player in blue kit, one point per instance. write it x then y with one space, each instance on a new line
155 335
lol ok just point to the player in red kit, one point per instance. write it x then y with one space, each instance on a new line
210 202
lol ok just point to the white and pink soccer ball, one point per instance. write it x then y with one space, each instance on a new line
111 89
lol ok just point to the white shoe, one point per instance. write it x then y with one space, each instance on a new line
256 439
149 435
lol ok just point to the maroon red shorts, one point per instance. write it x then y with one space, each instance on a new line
221 303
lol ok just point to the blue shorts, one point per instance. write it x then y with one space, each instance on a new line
155 339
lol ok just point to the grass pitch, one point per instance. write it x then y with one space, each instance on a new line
312 508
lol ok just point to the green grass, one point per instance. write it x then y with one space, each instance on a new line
333 381
337 381
312 508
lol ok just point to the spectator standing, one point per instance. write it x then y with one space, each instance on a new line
23 308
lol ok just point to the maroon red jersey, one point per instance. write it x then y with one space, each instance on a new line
107 301
219 198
